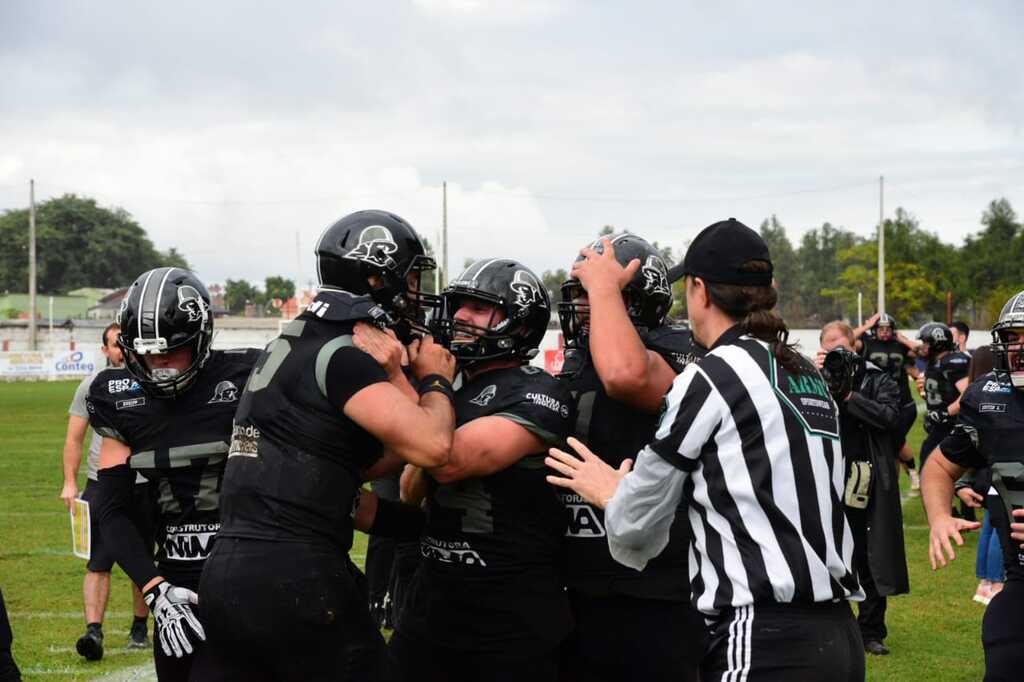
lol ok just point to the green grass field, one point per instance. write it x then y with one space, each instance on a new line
934 633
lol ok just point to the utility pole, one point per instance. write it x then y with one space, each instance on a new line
32 264
881 243
444 231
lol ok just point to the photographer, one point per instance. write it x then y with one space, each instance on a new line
869 407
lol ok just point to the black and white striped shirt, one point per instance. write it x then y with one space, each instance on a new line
754 450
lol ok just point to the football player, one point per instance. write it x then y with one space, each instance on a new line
621 359
487 602
167 414
990 432
944 380
281 598
879 341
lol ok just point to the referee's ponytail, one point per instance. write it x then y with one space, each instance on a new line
753 307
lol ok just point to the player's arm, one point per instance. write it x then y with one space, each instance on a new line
485 446
420 432
961 386
72 458
629 372
387 518
858 332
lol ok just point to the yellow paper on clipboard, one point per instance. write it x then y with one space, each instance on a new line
81 534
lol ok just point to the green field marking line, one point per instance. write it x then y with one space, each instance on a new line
28 615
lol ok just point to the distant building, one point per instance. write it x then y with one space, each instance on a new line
106 308
16 306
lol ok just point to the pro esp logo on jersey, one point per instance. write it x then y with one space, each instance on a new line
225 392
122 385
583 518
486 396
655 276
550 403
996 387
376 246
191 303
189 541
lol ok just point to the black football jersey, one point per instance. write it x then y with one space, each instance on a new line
617 431
490 573
180 445
990 431
295 461
893 358
940 379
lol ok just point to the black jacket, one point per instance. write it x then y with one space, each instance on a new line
876 405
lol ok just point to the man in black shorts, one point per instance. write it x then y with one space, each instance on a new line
487 603
281 599
879 341
621 359
167 415
96 584
990 432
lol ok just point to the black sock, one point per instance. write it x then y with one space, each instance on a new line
94 627
139 622
910 464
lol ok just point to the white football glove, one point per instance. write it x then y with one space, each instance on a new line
172 610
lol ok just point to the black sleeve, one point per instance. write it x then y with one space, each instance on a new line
397 520
543 407
103 413
956 368
961 447
879 405
114 502
349 371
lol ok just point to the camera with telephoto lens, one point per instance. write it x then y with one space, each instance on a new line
839 370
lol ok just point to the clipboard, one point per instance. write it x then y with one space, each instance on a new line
81 529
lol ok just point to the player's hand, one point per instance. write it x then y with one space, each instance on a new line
69 492
588 475
936 417
938 542
412 485
598 270
971 498
382 346
819 358
920 384
871 320
176 625
1017 528
428 357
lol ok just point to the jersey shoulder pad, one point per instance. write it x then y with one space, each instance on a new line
957 359
675 344
112 384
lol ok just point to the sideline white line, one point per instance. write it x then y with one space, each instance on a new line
139 673
65 614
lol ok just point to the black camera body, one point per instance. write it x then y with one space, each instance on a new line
840 371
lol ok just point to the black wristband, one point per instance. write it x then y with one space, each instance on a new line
438 383
397 520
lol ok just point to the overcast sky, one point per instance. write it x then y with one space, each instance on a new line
228 128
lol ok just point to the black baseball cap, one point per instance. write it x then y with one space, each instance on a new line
718 253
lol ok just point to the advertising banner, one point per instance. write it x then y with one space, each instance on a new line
48 365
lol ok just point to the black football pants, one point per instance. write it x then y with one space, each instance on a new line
286 611
420 661
1002 634
621 638
785 643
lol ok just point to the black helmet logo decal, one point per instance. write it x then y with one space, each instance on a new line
189 301
376 246
122 310
526 290
655 276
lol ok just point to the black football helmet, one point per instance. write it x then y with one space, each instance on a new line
937 337
378 243
511 287
165 309
1008 340
648 295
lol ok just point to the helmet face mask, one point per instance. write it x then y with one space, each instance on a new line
648 296
1008 341
517 319
166 311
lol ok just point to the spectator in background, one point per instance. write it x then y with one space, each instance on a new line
96 585
975 490
960 333
869 414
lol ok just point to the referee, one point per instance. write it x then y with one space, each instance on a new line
750 439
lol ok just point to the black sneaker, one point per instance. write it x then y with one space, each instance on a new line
137 638
90 645
876 648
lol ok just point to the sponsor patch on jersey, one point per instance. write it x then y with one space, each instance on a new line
122 386
130 403
583 518
991 407
486 396
808 397
995 387
550 403
190 541
450 552
245 441
225 392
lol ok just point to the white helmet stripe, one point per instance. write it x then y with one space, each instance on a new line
156 308
142 297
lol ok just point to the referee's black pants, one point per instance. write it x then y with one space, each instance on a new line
785 643
286 611
1002 634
